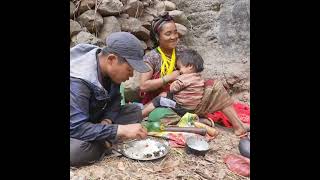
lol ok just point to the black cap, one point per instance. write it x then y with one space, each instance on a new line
129 47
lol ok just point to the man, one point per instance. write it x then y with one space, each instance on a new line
96 116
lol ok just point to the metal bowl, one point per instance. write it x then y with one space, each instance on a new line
197 145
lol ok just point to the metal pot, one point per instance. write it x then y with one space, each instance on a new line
197 145
244 147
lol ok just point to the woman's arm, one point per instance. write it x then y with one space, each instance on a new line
147 84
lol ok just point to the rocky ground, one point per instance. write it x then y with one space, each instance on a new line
176 165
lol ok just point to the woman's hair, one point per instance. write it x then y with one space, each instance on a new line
156 25
191 57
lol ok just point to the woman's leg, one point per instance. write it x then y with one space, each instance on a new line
237 125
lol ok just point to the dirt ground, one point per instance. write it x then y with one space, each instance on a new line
177 164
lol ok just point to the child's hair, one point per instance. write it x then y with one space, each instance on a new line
191 57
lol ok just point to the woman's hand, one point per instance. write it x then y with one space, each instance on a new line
173 76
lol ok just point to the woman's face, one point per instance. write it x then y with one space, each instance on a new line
168 36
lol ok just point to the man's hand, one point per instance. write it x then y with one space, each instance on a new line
106 121
131 131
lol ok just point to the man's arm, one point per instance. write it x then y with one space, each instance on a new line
113 111
80 127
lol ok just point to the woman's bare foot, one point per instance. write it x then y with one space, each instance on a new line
241 132
237 125
246 127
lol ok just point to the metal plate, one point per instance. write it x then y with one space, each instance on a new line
161 144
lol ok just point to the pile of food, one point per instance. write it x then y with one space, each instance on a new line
143 149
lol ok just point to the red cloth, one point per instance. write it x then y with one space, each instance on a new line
238 164
243 111
177 140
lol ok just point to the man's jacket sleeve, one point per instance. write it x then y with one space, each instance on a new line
114 109
80 127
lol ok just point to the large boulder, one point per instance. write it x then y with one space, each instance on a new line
134 26
144 45
219 23
146 3
169 6
234 26
110 7
147 17
87 38
86 5
236 77
162 6
124 15
110 25
134 8
92 20
142 33
159 7
150 11
182 30
179 17
72 9
75 28
147 25
149 44
127 24
131 88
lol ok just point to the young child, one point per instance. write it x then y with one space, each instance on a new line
187 90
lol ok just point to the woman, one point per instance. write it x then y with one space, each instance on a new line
162 62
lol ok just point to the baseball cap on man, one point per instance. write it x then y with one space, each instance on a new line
127 46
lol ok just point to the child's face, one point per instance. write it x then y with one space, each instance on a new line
185 69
